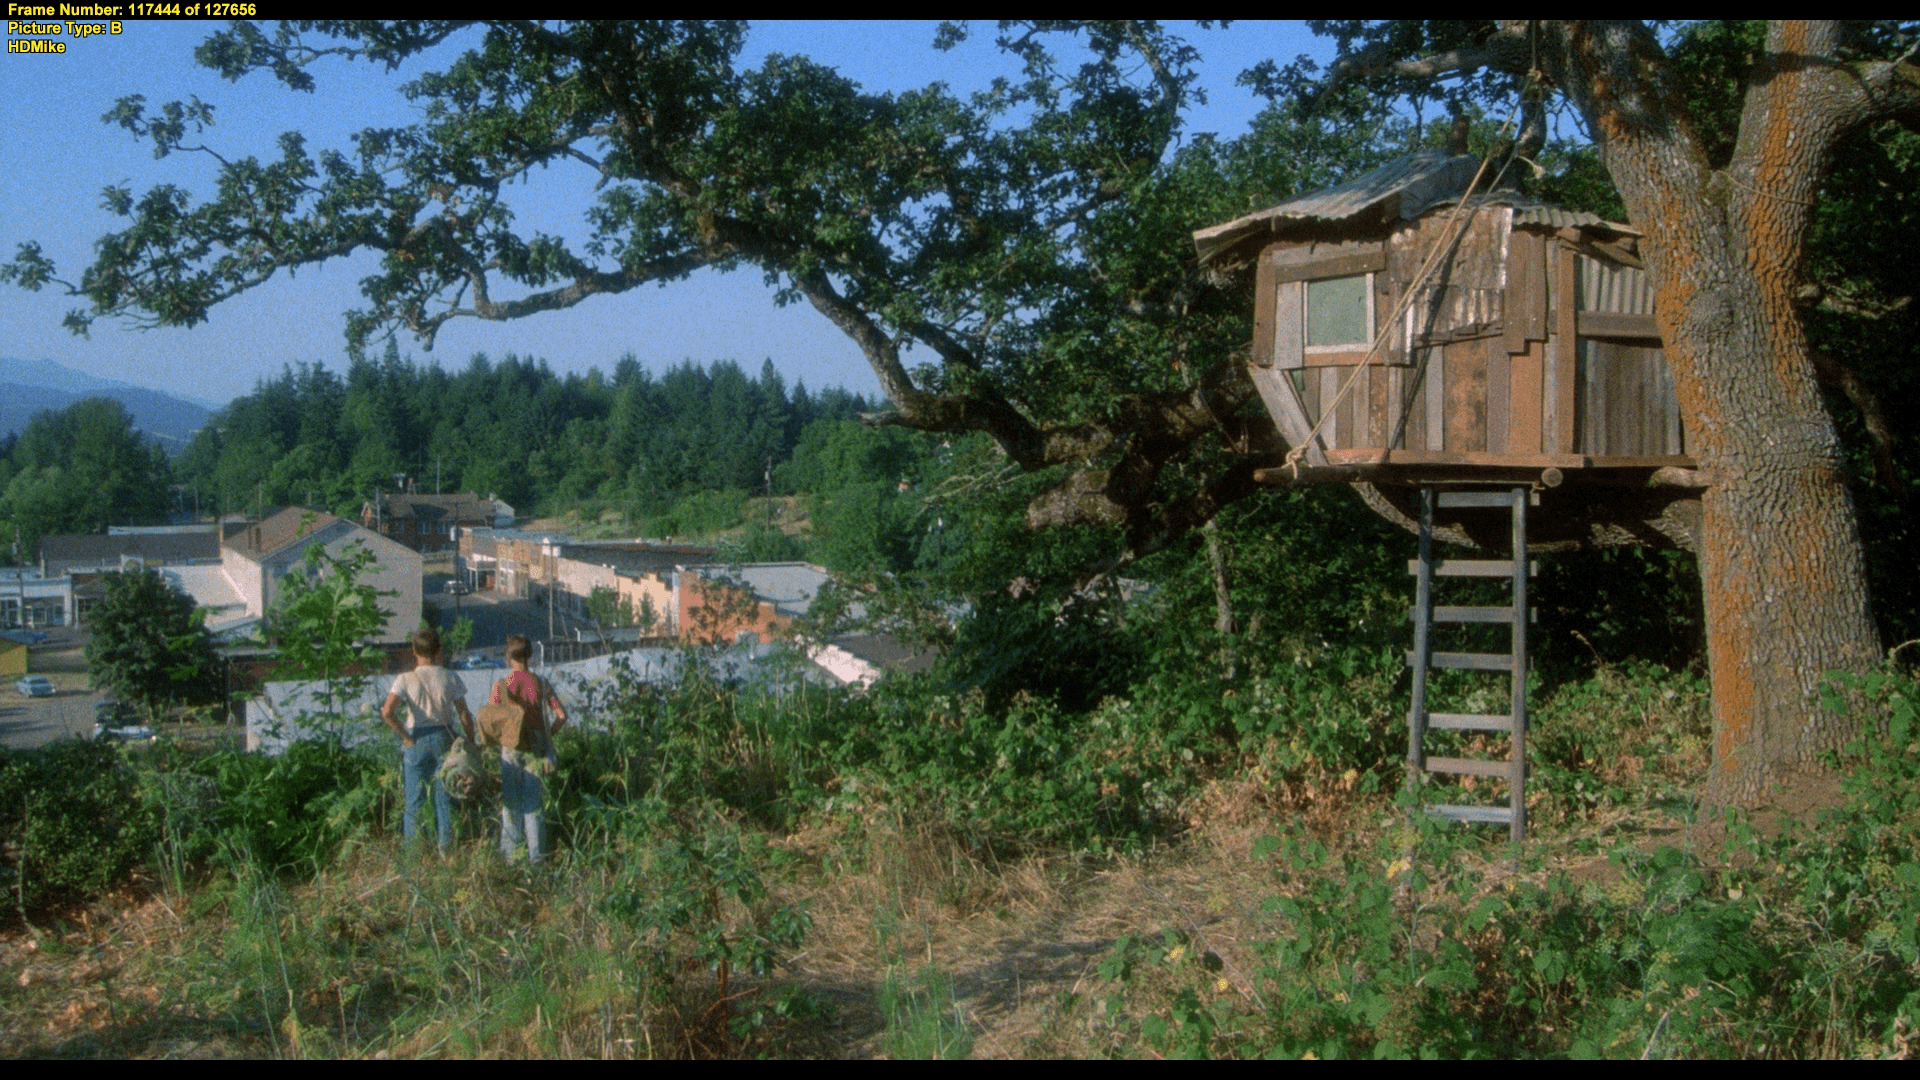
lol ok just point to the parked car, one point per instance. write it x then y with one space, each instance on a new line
477 662
457 587
34 686
115 714
127 734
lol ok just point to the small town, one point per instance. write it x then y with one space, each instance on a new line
580 602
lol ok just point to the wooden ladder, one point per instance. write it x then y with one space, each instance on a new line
1423 658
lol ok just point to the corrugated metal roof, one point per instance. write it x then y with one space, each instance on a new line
789 586
1559 217
1402 190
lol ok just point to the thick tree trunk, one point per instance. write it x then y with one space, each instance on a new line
1781 561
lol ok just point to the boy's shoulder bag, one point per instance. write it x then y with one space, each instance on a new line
514 723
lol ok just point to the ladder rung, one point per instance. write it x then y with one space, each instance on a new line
1470 766
1469 722
1468 661
1500 615
1473 614
1491 568
1489 814
1449 500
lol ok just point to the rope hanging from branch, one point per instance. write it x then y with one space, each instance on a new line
1450 237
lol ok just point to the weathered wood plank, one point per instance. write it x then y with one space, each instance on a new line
1479 815
1466 402
1469 722
1436 398
1289 341
1614 324
1499 386
1493 568
1277 394
1566 381
1470 767
1524 311
1264 301
1524 400
1325 259
1329 415
1358 412
1502 500
1460 614
1383 419
1334 359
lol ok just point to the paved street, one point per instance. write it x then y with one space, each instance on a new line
494 617
29 722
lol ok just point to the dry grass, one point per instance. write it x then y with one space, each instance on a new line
1018 941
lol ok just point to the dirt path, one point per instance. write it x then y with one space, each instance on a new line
1021 945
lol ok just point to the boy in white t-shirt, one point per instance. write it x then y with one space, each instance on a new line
433 698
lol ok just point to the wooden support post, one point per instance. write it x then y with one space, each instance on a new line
1566 351
1517 785
1422 643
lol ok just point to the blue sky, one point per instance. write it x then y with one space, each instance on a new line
56 155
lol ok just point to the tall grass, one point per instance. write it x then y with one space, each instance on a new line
711 833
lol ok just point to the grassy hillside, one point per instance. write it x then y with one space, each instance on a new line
911 874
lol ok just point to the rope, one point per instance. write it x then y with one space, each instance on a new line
1442 248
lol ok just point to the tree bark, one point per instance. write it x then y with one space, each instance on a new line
1781 560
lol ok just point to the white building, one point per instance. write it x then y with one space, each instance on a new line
256 557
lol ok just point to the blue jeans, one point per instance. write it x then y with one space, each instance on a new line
521 796
419 769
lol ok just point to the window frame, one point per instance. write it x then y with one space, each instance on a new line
1357 350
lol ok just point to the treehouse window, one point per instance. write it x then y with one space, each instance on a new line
1339 313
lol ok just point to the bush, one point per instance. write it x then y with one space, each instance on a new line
1800 945
72 822
296 810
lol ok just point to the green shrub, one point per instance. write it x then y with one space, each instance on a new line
296 810
72 822
1803 944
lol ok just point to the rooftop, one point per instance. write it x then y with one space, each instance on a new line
60 552
465 506
276 533
789 586
1401 190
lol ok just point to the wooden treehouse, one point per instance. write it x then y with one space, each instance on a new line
1482 364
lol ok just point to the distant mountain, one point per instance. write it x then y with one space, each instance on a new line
30 386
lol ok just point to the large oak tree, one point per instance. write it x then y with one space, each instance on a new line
1029 240
1726 218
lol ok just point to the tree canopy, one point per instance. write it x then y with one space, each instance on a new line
79 470
1029 238
149 644
513 428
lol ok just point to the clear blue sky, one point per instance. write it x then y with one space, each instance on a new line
56 155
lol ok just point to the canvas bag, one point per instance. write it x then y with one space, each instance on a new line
513 723
465 775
